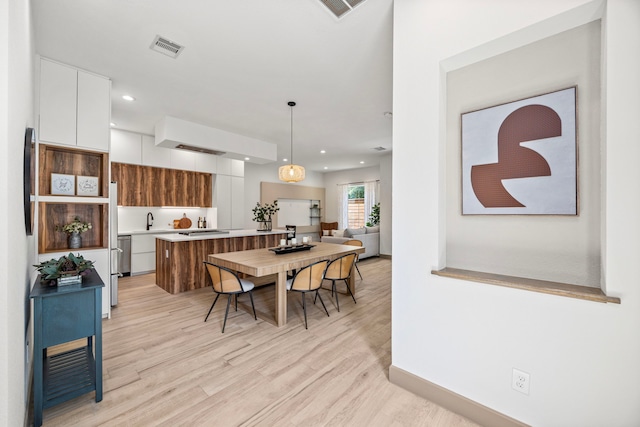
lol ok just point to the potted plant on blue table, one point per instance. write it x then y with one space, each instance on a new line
66 270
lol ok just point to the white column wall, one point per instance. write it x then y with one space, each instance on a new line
17 251
467 337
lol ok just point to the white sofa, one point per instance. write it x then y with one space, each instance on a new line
369 236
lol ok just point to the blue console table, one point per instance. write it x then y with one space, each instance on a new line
63 314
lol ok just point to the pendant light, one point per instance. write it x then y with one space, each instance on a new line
291 172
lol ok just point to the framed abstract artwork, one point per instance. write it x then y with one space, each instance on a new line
521 157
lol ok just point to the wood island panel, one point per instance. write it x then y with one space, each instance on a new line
179 265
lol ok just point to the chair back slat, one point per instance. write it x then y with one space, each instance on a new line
340 268
310 277
223 280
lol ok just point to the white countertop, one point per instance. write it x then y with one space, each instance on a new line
175 237
160 231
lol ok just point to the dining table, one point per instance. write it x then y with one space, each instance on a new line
266 261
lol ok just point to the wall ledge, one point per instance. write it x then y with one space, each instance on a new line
533 285
454 402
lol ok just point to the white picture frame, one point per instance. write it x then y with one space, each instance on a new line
62 184
88 186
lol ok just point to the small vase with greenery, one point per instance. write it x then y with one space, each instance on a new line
262 214
50 271
374 216
73 230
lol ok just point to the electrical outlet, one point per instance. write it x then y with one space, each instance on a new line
520 381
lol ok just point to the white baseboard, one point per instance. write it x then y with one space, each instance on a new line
454 402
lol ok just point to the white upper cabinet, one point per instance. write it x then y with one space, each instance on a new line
152 155
94 111
224 166
58 96
182 159
237 168
126 147
75 107
206 163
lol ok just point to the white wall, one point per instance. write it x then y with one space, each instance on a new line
467 337
17 251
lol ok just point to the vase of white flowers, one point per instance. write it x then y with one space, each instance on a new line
74 230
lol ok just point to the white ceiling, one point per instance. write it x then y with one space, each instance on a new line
243 60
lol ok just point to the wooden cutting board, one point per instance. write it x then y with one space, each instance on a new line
184 222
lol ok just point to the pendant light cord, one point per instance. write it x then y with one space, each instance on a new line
291 105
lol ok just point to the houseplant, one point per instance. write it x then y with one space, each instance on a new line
262 214
67 265
374 216
73 230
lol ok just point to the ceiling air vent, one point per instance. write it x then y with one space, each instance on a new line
166 47
200 149
340 7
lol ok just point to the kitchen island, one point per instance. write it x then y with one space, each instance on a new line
179 257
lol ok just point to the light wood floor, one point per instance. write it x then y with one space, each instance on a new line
163 366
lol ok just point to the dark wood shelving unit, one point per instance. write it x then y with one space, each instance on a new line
52 214
72 161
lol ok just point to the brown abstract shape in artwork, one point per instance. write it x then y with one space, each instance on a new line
514 161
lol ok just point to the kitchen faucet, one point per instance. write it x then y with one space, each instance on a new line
149 224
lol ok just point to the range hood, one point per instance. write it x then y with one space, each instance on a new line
181 134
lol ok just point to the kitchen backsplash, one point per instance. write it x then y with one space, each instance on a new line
135 218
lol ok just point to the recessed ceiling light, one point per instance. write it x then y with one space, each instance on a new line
284 160
128 98
322 151
112 124
247 159
362 162
326 167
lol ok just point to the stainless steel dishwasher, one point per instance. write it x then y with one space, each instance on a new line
124 257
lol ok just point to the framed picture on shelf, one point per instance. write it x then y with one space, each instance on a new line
62 184
88 186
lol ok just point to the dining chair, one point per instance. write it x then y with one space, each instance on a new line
355 242
309 279
327 226
340 269
227 282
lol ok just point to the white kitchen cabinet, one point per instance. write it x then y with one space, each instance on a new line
237 168
126 147
58 96
224 166
182 159
153 155
206 163
75 106
143 253
222 198
94 111
237 202
228 197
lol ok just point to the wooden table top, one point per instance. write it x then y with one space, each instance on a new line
262 262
